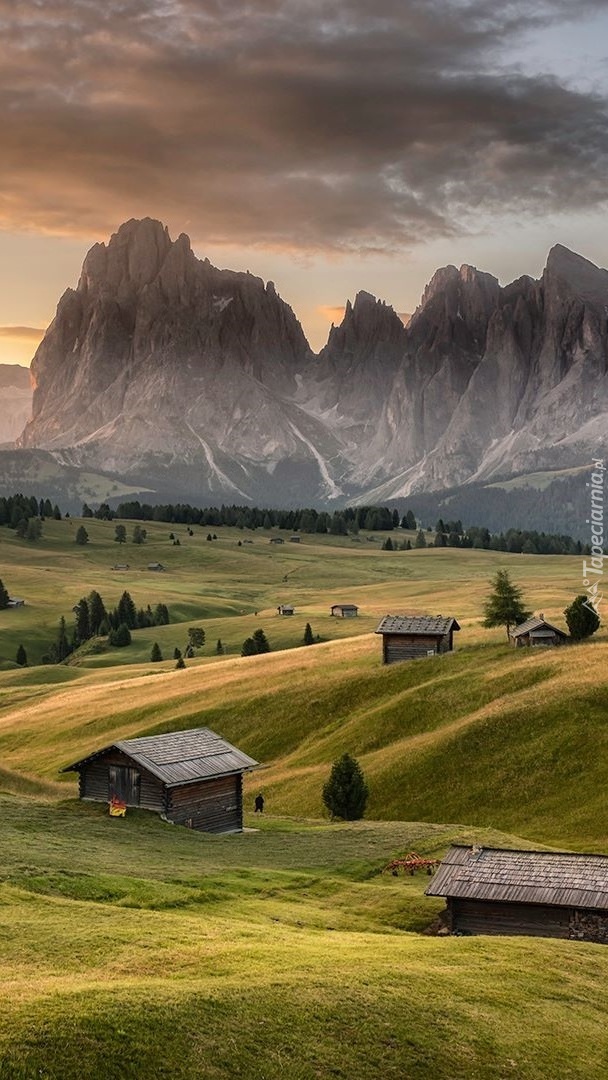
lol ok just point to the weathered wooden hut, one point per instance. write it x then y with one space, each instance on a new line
192 778
286 609
345 611
410 637
540 893
537 631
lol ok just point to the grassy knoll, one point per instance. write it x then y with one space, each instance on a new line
220 585
133 949
488 735
161 952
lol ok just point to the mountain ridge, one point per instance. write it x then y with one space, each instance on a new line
158 363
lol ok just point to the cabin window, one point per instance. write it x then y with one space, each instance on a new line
125 784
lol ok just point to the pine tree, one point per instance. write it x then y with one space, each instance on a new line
582 618
34 529
420 541
180 664
156 654
345 792
21 657
97 613
196 637
83 622
504 606
82 536
120 637
4 597
62 645
86 511
219 648
139 534
308 635
120 534
261 641
249 647
388 544
177 653
127 612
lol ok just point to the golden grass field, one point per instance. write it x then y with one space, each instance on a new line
134 949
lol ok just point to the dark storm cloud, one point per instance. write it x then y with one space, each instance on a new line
288 123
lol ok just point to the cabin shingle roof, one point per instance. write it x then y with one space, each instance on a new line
416 624
180 757
560 878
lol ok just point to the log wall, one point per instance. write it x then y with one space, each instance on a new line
214 806
397 647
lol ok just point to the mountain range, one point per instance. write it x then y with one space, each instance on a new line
173 376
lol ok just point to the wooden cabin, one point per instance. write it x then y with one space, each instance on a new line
294 539
276 540
192 778
286 609
412 637
345 611
15 601
537 631
559 894
157 566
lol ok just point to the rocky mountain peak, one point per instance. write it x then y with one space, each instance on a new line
567 270
132 258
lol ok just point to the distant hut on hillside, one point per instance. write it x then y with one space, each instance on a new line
345 611
157 566
276 540
559 894
412 637
537 631
294 539
286 609
15 601
192 778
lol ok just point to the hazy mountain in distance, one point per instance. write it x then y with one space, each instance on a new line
15 400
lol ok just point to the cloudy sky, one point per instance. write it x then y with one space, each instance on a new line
328 146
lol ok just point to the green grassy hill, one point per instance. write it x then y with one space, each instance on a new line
132 948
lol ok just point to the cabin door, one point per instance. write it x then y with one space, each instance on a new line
125 784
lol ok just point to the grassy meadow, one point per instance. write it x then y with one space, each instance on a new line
132 948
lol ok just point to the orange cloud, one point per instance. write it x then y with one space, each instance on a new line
31 334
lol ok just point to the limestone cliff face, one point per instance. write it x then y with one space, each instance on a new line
160 363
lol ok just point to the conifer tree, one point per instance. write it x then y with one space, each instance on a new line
261 641
21 657
127 612
504 606
97 613
156 654
180 663
4 597
345 792
582 618
82 536
308 635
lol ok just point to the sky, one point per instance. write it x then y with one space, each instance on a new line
329 147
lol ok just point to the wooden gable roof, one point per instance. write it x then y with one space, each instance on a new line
535 624
179 757
559 878
417 624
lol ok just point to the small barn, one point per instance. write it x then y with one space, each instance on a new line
157 566
411 637
537 631
558 894
276 540
286 609
192 778
15 601
294 539
345 611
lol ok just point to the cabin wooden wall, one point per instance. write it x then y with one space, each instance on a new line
94 781
210 805
396 647
494 917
